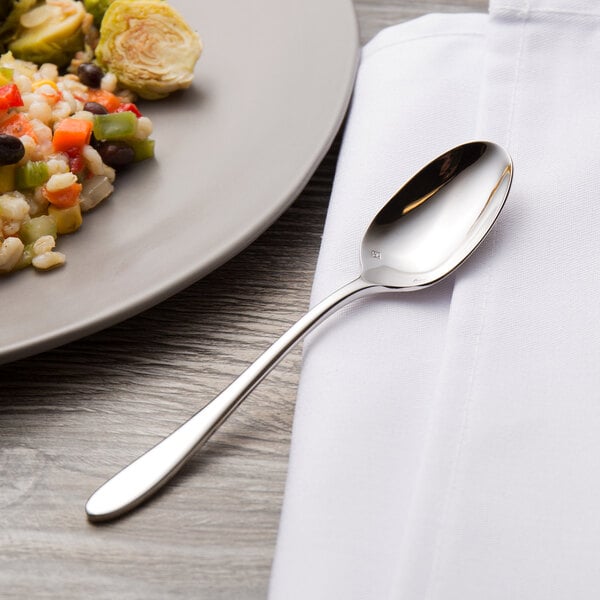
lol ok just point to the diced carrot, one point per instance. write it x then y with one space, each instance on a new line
65 197
106 99
71 133
18 125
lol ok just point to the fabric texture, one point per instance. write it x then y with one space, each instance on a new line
446 442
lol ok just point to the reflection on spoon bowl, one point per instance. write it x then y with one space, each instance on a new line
432 224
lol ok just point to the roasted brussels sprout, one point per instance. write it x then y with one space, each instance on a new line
97 8
148 46
13 10
50 32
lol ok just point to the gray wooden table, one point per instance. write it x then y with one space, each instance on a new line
70 417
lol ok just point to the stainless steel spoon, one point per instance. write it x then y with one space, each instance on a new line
426 230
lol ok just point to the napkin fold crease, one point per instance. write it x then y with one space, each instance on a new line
445 442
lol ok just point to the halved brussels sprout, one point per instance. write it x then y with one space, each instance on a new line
148 46
50 32
10 22
97 8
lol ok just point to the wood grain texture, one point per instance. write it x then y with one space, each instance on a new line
73 416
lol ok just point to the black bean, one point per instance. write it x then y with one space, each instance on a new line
11 149
90 74
95 108
115 154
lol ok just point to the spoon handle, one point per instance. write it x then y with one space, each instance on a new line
144 476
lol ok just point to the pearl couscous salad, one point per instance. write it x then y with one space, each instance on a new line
68 114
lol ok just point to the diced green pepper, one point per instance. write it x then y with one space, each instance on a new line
115 126
143 149
32 174
37 227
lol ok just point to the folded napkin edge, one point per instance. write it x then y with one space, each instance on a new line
525 9
430 25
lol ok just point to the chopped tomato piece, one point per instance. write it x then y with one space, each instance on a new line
64 198
10 96
71 133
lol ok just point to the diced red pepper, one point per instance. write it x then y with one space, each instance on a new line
131 107
10 96
76 161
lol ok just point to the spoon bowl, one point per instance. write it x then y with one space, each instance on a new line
436 220
423 233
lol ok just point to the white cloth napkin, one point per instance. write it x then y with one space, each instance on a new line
446 443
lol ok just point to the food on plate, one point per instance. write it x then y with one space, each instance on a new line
148 46
12 11
97 8
68 113
50 33
61 142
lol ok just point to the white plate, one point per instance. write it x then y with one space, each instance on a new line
233 152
